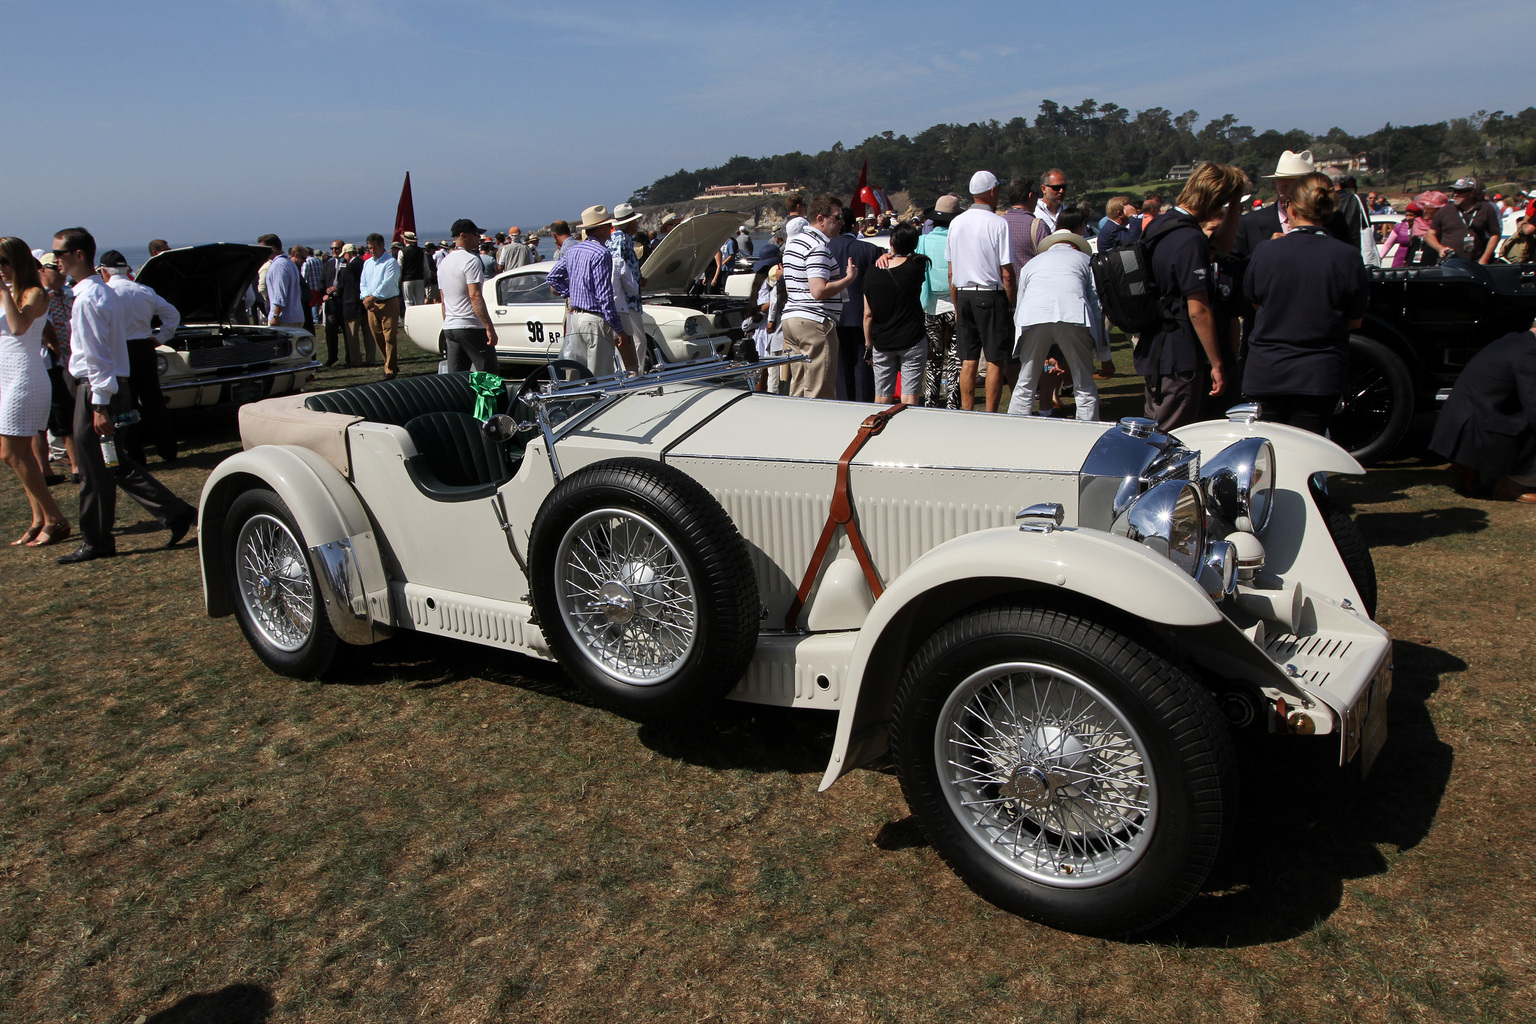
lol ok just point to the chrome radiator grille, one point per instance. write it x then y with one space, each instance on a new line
239 354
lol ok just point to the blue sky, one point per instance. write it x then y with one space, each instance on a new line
221 120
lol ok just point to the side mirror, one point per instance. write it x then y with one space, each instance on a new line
499 428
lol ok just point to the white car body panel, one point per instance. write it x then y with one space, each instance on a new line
935 494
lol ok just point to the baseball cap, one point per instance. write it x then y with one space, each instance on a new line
1468 184
349 247
111 258
983 181
465 226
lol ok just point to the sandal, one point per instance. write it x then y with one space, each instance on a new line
28 537
51 533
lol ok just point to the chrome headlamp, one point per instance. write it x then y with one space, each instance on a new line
1129 458
161 364
1239 483
1169 518
305 346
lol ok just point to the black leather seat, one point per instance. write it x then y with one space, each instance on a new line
402 400
454 460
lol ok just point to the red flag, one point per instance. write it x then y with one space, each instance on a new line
405 213
875 198
856 208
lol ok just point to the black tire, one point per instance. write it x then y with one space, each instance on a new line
1116 735
1353 549
265 552
644 589
1377 407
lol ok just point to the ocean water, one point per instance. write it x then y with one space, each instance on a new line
138 253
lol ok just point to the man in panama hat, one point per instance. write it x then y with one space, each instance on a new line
1272 221
584 275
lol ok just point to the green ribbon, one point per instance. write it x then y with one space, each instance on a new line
488 388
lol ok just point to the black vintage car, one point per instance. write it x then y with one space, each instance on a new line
1422 326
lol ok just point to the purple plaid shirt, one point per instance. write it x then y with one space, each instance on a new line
584 275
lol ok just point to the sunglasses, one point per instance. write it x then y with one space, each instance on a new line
1057 188
61 253
4 262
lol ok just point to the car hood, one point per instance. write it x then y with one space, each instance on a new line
681 257
204 282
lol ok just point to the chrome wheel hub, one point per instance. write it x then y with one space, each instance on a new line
615 602
626 596
1046 774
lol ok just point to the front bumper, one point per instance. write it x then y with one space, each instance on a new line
237 378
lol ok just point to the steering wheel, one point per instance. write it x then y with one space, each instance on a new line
554 370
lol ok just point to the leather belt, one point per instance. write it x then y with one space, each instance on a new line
841 514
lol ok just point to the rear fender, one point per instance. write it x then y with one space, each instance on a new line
1090 566
335 526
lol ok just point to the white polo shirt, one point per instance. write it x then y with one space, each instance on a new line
977 248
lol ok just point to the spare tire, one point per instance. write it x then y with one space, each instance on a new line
644 589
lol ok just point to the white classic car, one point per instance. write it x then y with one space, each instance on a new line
1060 642
212 358
679 326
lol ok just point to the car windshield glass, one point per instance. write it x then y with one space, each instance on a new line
523 288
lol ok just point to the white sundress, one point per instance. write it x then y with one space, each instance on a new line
25 392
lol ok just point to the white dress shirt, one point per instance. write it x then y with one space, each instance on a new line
1043 212
141 304
98 348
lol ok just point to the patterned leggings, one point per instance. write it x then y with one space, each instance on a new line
941 378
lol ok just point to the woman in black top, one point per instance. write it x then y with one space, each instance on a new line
1310 290
893 318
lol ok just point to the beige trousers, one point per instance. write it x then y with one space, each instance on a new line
816 340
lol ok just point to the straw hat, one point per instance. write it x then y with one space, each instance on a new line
1064 236
595 217
624 214
1293 165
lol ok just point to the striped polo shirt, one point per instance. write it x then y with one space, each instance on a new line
807 256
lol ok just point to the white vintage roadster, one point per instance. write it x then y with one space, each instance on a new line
1058 630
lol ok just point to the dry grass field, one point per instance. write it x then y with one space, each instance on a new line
442 832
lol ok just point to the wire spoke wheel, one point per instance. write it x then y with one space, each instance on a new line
274 582
626 596
1046 774
1066 771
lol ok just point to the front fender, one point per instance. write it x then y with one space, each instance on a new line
327 512
983 566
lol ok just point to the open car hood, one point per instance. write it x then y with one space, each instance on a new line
204 282
681 257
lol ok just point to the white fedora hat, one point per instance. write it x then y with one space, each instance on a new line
1293 165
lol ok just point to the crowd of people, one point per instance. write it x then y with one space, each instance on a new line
1257 301
81 360
1254 302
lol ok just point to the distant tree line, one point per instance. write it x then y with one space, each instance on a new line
1107 146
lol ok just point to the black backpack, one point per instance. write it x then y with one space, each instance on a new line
1128 293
